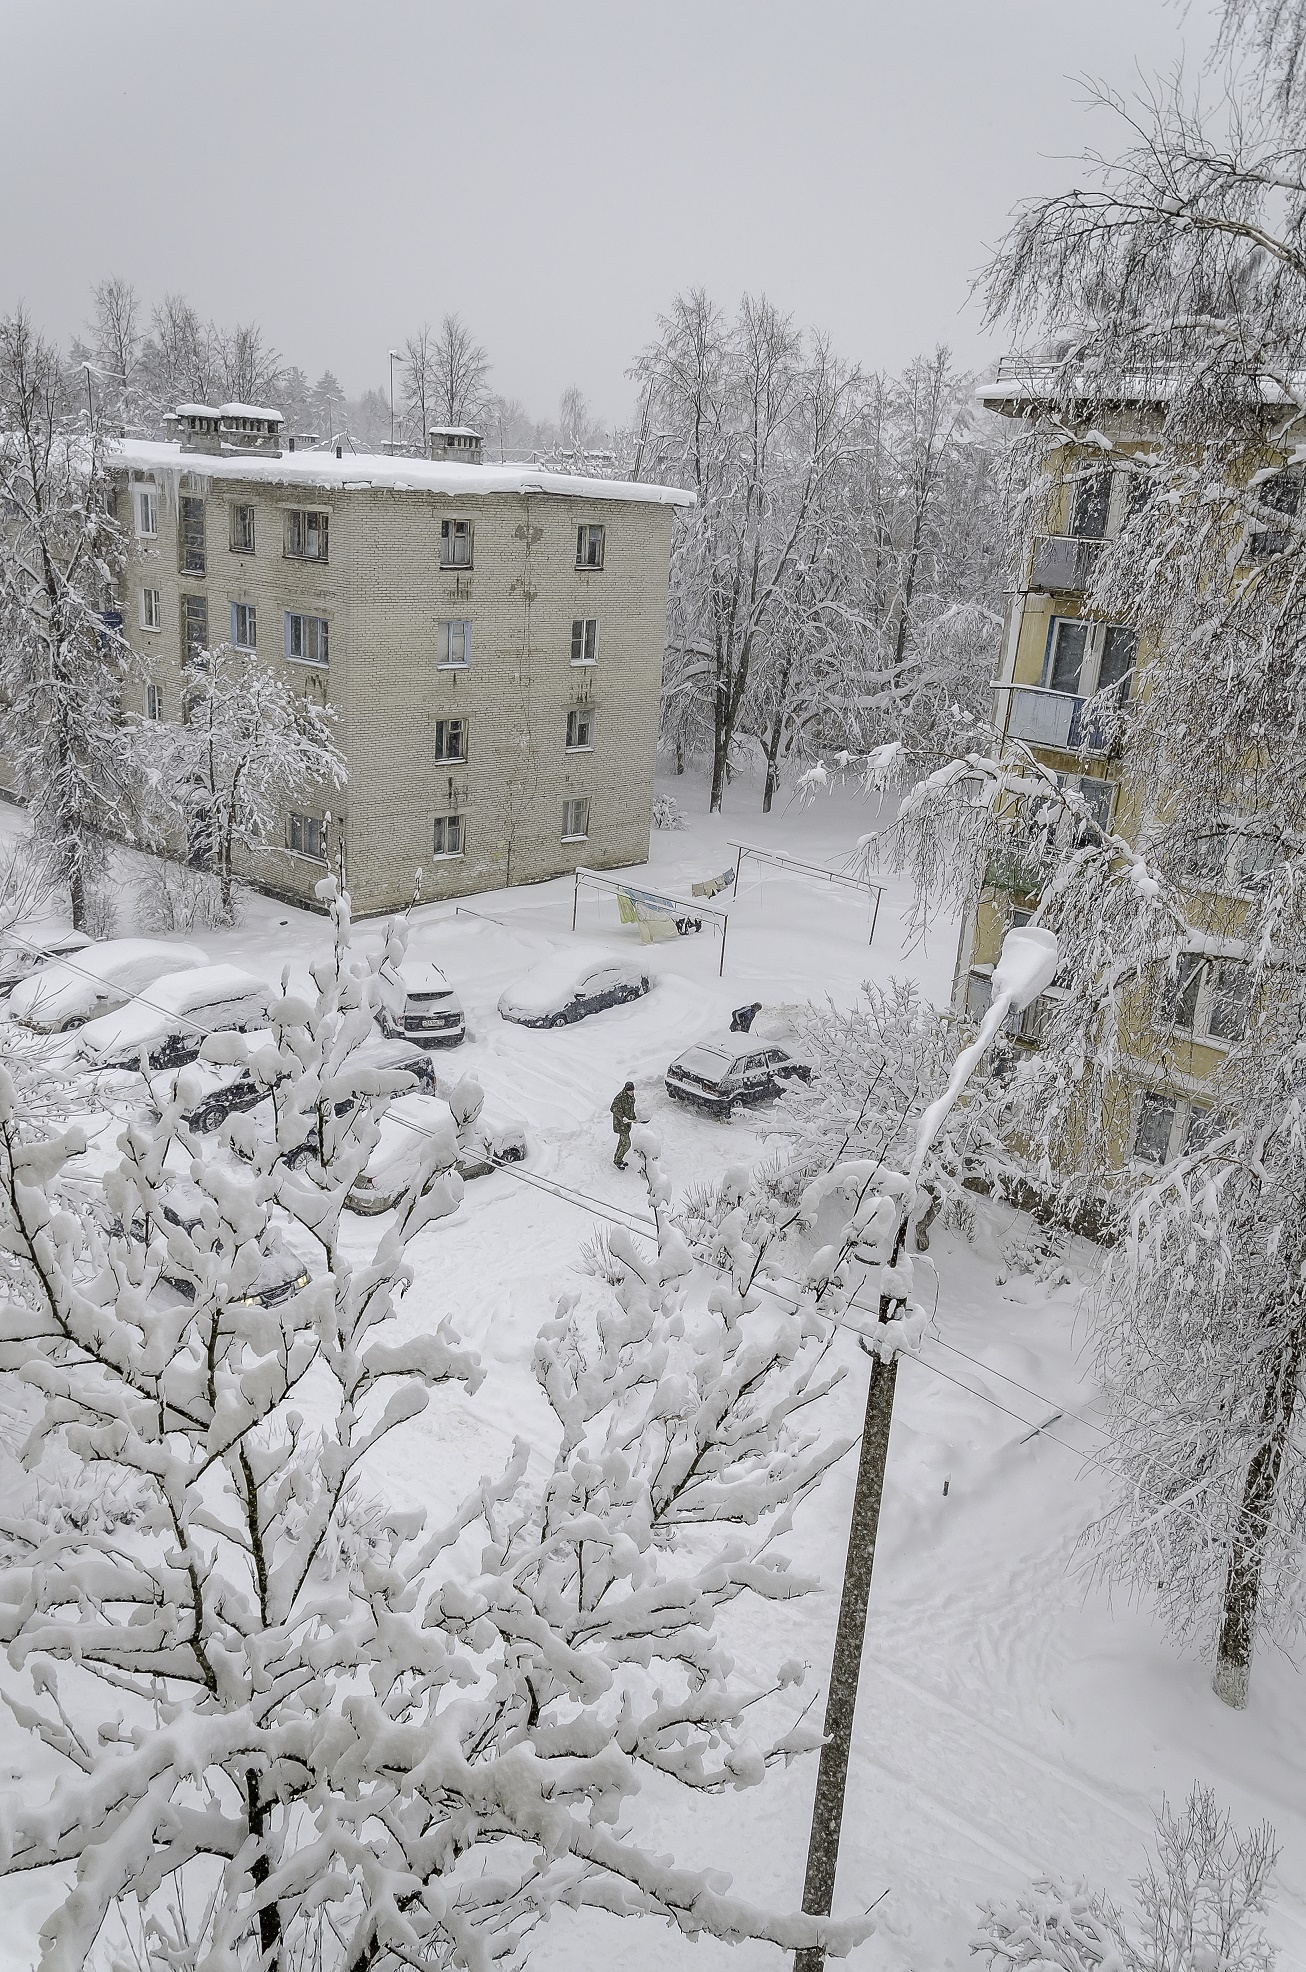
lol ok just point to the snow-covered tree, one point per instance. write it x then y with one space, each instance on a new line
459 368
1197 1907
247 746
61 654
290 1724
418 383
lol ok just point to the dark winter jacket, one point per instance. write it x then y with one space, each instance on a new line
623 1110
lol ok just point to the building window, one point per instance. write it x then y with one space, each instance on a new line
455 544
585 640
1099 797
305 638
192 535
1282 495
453 645
449 835
1154 1128
1118 658
194 627
451 741
153 702
575 820
580 729
306 836
1067 649
1090 506
306 536
151 610
242 530
589 547
244 626
1211 998
147 510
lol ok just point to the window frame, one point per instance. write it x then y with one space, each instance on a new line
151 617
445 627
447 759
449 537
291 617
189 604
188 506
1196 988
458 822
235 508
298 519
1096 635
249 612
580 718
573 802
144 497
587 642
1158 1099
296 822
586 530
154 703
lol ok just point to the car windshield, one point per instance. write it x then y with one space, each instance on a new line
714 1064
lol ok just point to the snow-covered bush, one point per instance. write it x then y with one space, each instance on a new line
667 812
295 1726
175 897
1197 1906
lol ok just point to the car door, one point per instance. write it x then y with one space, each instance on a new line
751 1073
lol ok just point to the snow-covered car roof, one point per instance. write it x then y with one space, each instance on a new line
174 1000
563 975
64 987
30 941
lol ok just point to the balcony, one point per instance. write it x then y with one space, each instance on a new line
1043 717
1063 564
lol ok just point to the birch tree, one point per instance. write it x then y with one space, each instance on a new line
248 745
61 655
460 367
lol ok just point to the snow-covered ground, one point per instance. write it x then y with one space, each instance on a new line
1011 1722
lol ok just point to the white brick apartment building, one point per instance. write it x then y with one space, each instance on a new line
491 638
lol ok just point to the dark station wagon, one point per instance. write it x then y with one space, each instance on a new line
721 1076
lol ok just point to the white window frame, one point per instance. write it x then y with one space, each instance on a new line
305 521
145 503
458 825
450 759
151 610
291 617
446 640
453 534
580 718
569 832
1090 670
154 703
240 507
1203 1006
295 824
249 613
586 532
587 641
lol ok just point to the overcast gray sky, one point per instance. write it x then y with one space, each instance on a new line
554 172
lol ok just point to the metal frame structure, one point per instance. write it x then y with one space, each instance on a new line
691 907
874 891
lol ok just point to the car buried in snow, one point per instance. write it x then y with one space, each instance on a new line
570 986
182 1205
418 1005
183 1008
33 942
724 1075
67 992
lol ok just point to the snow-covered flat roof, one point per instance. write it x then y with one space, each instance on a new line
361 469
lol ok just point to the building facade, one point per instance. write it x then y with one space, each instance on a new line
1057 655
489 637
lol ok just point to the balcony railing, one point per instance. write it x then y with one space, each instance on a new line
1063 564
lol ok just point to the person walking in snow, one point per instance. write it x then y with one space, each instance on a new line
623 1121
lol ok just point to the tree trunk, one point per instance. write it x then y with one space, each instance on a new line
720 754
777 729
269 1917
1242 1588
77 896
680 753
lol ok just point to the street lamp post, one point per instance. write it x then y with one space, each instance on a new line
394 358
1024 970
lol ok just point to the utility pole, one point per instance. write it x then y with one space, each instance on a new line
1025 968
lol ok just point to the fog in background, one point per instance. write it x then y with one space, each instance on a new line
342 173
